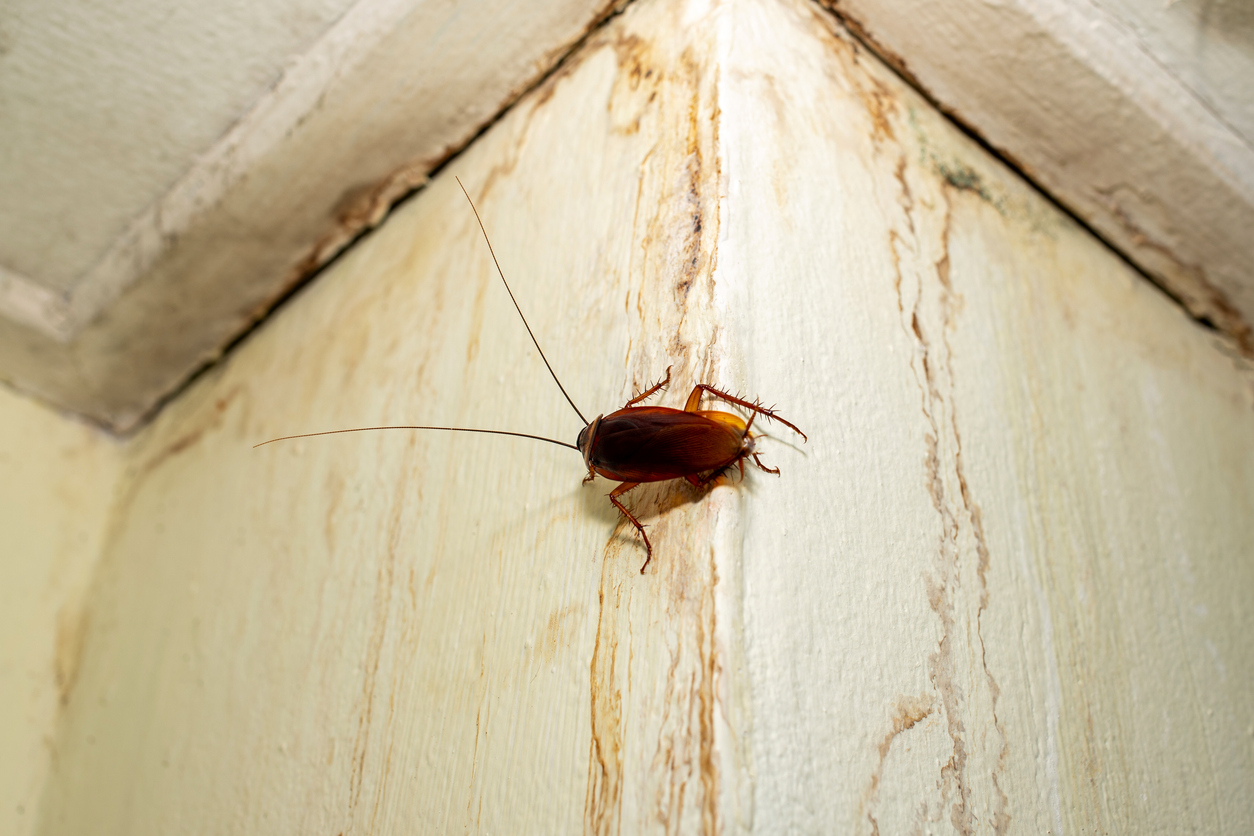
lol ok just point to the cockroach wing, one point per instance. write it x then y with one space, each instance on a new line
654 443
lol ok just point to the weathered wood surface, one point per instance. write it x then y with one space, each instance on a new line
1139 117
1005 587
168 261
56 491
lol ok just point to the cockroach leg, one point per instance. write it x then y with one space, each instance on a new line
614 495
702 481
768 412
694 399
749 451
758 461
661 384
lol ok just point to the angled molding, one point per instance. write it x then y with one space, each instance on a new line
1081 104
30 304
386 95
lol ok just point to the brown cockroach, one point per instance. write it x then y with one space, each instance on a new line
638 443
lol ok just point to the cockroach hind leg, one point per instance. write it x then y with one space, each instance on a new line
754 406
648 552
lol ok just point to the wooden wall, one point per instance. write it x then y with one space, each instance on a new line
1004 587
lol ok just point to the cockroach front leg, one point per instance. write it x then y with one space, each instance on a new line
701 481
694 400
756 460
661 384
614 495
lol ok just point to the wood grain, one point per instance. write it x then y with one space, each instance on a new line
1003 588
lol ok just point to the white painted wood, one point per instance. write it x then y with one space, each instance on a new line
1003 588
56 490
246 196
997 603
1205 45
1136 116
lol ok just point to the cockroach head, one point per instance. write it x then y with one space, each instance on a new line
584 442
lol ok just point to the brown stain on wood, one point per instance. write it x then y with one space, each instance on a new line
603 800
360 209
928 305
640 79
908 712
856 28
704 694
386 586
70 637
1187 283
676 235
840 34
208 420
559 631
881 105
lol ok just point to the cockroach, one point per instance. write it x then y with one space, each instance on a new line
638 443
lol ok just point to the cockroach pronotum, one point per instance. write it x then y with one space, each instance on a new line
638 443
